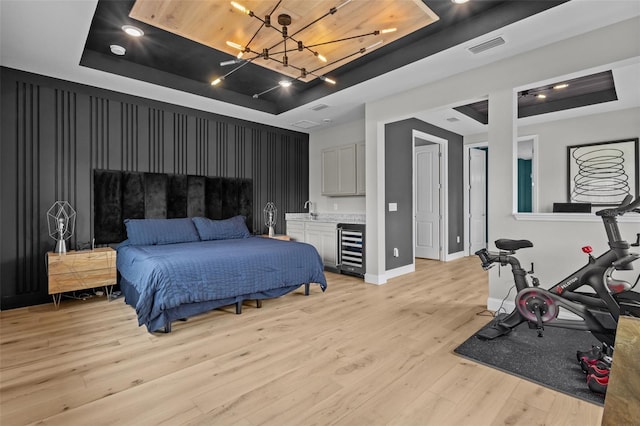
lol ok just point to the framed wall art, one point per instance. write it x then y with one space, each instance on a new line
603 173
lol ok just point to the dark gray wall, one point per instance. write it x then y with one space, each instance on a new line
55 132
399 188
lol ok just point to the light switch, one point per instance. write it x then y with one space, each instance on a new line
393 207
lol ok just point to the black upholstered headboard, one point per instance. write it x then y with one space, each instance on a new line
122 195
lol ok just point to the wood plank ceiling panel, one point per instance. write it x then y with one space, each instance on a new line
214 22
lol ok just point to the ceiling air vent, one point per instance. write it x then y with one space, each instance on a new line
319 107
490 44
305 124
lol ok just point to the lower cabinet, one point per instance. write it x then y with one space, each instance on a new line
321 235
295 230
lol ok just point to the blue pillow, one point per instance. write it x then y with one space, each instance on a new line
226 229
160 231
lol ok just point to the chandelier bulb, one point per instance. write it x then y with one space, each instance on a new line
235 45
240 7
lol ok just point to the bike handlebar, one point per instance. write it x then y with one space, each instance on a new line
484 258
625 206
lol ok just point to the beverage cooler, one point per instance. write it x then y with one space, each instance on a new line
351 249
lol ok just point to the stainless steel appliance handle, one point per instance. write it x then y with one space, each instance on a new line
339 239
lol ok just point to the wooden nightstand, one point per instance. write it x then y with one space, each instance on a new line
80 270
278 237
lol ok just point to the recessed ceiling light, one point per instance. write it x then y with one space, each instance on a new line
561 86
117 50
541 96
459 1
132 31
284 83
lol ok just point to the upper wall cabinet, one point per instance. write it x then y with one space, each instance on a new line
343 170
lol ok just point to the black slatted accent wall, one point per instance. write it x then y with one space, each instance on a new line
55 133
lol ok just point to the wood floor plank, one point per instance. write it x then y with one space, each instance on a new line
356 354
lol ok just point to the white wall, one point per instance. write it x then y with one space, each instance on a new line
335 136
604 46
555 136
557 244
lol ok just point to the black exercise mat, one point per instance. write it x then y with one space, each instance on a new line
549 361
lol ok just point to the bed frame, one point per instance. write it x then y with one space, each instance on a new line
186 311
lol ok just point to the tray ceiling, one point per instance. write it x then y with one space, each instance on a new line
318 25
180 55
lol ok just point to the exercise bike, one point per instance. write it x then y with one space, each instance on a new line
598 310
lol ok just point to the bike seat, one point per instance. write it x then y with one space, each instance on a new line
512 245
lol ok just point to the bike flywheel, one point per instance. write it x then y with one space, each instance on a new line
528 299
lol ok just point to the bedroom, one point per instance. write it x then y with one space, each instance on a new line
364 128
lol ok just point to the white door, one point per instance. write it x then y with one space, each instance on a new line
477 199
427 201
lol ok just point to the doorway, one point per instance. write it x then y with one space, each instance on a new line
475 200
429 196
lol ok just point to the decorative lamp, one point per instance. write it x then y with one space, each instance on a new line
61 219
279 51
270 213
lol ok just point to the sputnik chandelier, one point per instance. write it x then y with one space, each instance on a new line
281 54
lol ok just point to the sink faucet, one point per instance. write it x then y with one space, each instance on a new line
309 204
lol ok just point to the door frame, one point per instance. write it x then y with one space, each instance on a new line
467 188
534 172
444 195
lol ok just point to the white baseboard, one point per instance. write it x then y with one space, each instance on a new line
454 256
494 304
407 269
374 279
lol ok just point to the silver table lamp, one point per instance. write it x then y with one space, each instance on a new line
61 219
270 212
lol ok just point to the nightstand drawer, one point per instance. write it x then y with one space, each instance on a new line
80 261
81 270
61 283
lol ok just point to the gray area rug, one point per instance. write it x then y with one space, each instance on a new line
549 361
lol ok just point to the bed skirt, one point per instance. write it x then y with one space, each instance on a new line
184 311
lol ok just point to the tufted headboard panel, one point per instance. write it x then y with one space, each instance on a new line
120 195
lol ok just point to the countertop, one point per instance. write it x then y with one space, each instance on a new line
359 218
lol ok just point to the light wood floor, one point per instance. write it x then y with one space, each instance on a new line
358 354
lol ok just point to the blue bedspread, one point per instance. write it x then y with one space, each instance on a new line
167 276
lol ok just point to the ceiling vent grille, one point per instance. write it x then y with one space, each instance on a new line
490 44
305 124
319 107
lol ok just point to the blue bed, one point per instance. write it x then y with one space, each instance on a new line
183 271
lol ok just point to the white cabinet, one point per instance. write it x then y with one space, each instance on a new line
340 171
321 235
360 177
295 230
